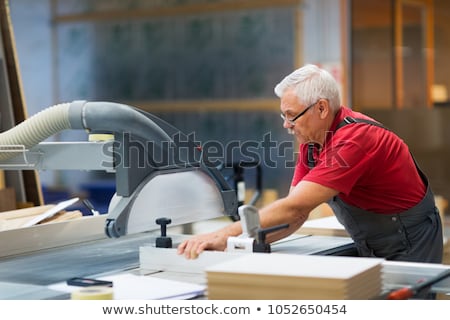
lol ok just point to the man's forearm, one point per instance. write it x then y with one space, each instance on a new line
231 230
281 212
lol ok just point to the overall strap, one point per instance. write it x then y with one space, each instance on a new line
349 120
346 121
311 161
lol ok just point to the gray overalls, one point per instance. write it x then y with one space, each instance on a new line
412 235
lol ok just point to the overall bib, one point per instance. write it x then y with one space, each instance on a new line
413 235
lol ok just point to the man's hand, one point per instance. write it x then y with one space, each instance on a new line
211 241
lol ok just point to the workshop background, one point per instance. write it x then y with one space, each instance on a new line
209 67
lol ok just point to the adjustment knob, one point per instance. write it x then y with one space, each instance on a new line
163 241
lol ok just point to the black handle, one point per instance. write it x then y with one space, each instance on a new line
163 241
263 232
260 245
163 222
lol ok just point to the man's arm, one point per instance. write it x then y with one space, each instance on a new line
293 210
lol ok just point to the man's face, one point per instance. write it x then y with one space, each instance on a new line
301 128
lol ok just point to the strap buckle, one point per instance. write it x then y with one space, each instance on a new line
349 120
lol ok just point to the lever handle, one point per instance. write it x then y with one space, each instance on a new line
263 232
260 245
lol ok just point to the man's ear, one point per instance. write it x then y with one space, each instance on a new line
324 108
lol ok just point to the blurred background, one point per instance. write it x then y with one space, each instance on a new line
208 67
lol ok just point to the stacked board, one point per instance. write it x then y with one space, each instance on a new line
262 276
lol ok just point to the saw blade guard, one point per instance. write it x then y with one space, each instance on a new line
185 196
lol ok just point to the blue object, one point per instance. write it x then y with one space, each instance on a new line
100 193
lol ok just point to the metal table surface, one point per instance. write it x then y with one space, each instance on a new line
59 264
49 266
28 275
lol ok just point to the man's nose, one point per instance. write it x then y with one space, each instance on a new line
287 124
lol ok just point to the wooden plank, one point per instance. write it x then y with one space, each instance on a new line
30 178
63 216
298 38
328 226
398 55
345 26
429 51
210 105
7 199
256 276
20 218
2 180
52 235
178 10
27 212
14 219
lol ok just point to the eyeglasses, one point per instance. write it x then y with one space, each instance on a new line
292 121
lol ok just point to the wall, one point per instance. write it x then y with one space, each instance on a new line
231 55
32 31
428 135
426 131
442 43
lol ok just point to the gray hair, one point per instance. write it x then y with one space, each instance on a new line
311 83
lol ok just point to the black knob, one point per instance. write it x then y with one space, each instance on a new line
163 222
163 241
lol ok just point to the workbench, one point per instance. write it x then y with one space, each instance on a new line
29 275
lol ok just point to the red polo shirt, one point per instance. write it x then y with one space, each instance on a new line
371 167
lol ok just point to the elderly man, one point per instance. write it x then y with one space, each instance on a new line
364 171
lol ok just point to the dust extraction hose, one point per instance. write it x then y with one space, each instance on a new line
100 116
35 129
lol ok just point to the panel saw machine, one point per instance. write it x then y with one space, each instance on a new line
162 177
158 170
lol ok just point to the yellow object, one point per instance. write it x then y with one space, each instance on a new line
93 293
101 137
